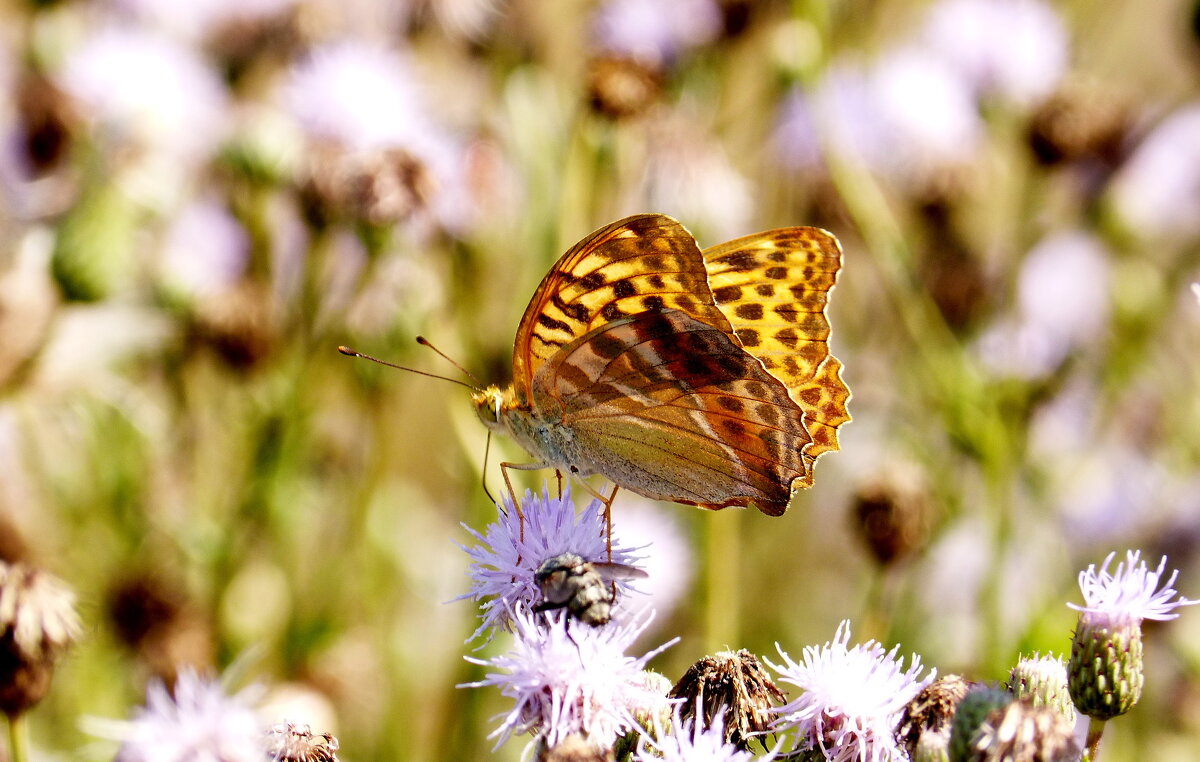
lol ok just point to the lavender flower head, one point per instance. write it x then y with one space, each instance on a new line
656 32
1129 594
568 679
852 698
1157 191
692 742
200 722
205 250
1016 50
136 87
507 556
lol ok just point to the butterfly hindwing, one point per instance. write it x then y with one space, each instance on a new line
644 262
773 287
674 409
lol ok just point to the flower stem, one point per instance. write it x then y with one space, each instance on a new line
18 741
1095 730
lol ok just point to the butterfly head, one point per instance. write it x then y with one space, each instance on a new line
489 403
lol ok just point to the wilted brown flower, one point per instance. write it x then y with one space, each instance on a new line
892 517
930 713
291 742
158 623
1021 732
39 623
734 684
621 87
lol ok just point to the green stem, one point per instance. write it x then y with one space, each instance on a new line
722 547
1095 730
18 738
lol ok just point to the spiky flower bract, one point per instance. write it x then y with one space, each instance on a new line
566 679
1043 681
852 698
1105 672
508 554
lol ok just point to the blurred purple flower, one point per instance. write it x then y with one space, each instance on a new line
195 721
139 88
852 698
668 563
1062 302
570 679
1157 191
655 32
906 118
507 556
205 250
1016 50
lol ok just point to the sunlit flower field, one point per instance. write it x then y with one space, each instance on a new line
201 201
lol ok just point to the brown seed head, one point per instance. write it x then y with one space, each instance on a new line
735 684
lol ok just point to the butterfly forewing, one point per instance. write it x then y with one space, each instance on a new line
672 408
644 262
773 287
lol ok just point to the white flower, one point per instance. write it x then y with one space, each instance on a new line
37 612
852 698
139 88
508 554
1157 191
692 742
1014 49
567 678
199 723
656 31
1130 593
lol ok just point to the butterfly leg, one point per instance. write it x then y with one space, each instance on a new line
504 467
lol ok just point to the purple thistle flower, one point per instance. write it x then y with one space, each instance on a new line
852 698
507 556
656 32
1129 593
569 679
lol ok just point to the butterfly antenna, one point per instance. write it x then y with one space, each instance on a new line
351 353
425 343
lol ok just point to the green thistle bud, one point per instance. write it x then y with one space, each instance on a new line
972 713
94 251
1105 673
1043 680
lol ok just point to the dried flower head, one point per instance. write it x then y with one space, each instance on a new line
506 559
731 690
852 698
892 517
925 722
198 722
292 742
1022 732
568 679
39 623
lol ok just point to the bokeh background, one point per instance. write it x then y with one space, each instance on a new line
201 200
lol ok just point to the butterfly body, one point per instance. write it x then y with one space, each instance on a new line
629 363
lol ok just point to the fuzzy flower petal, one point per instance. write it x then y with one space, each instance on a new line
852 698
570 679
692 742
199 722
1131 592
506 558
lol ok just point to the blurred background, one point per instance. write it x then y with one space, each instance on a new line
201 200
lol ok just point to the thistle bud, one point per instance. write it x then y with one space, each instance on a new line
1043 681
924 729
972 713
1105 675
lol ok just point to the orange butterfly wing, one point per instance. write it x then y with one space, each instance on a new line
774 287
639 263
674 409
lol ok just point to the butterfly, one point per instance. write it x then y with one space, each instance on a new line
698 377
